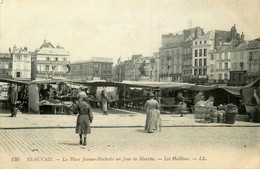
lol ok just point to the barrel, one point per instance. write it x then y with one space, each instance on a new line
220 117
230 114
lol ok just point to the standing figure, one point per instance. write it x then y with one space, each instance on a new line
257 98
198 97
153 114
13 95
81 93
84 119
104 102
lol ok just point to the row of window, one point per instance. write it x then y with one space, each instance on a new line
171 52
187 72
199 52
200 71
5 65
200 42
91 65
55 59
200 62
21 57
90 72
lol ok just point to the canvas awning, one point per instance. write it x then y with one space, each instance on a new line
14 81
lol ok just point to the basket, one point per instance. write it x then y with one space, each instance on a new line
201 112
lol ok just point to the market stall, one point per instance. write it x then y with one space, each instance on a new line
51 96
250 95
22 90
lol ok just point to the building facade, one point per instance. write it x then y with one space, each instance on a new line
239 65
97 68
175 54
253 52
49 62
21 63
200 49
211 55
187 60
6 64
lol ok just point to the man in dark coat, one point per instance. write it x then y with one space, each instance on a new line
13 95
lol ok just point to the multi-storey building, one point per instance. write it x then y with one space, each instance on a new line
187 60
6 64
253 51
131 68
238 65
219 70
172 54
201 46
97 68
211 55
49 62
21 63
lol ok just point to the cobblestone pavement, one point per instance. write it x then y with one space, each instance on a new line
171 148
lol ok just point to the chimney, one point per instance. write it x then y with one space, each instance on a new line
220 41
10 50
25 48
44 42
242 37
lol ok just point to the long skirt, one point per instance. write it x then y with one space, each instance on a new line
104 106
152 120
83 125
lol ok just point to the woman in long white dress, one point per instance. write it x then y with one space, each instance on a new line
153 114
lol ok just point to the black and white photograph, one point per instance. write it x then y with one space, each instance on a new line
130 84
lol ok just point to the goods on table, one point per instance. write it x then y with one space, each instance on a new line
205 111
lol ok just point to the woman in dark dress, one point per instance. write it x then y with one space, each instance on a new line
84 119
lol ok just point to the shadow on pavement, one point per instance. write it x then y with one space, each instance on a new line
70 144
5 115
112 111
140 131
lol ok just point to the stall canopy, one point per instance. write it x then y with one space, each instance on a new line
255 83
202 88
159 85
14 81
247 92
48 81
232 90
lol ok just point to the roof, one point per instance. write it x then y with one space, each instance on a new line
14 81
20 50
227 47
208 35
52 51
241 46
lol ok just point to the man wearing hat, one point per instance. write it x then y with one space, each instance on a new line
81 93
13 95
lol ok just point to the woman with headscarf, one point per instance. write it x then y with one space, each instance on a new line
153 114
84 119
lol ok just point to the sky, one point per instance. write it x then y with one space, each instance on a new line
117 28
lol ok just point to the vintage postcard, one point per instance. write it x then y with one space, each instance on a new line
129 84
